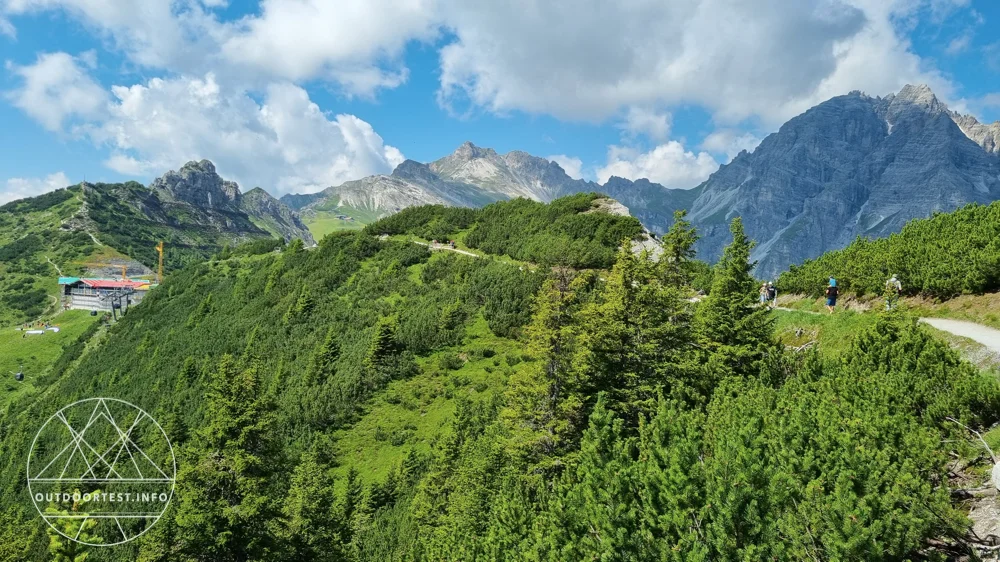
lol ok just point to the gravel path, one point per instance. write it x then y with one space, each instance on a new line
983 335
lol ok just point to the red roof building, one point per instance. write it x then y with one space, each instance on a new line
112 284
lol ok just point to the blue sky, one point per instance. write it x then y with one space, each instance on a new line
295 95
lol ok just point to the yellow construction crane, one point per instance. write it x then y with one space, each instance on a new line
159 274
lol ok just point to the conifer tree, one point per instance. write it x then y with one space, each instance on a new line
324 361
631 336
14 537
596 516
386 358
678 250
69 550
673 483
729 323
225 510
312 524
544 401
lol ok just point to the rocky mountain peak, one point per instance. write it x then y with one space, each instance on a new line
413 170
919 94
199 184
912 101
469 151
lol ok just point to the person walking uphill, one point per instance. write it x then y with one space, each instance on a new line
831 295
772 294
763 293
893 290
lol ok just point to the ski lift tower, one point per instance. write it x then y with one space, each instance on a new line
120 298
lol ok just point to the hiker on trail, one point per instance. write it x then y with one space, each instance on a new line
763 293
772 294
831 295
893 290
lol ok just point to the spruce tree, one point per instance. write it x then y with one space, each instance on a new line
68 550
678 251
631 337
312 524
386 358
731 326
225 511
544 400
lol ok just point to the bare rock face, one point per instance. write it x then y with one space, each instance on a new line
198 183
851 166
274 216
645 242
473 176
515 174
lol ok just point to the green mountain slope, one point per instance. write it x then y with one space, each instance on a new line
58 233
943 256
283 308
370 400
571 231
34 247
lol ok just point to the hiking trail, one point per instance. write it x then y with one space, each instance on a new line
983 335
446 247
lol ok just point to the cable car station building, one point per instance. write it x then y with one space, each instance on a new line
98 294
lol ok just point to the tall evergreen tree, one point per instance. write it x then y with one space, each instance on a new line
313 527
386 358
678 250
730 324
225 511
631 337
544 400
69 550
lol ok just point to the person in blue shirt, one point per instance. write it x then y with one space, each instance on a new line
831 295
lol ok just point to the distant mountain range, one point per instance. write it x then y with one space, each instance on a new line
852 166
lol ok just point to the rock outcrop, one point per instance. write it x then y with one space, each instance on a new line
274 216
199 185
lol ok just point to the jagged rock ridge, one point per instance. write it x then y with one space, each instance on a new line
199 185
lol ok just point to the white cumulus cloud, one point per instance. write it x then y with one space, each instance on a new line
643 121
355 42
730 142
19 188
586 59
570 164
668 164
57 88
284 144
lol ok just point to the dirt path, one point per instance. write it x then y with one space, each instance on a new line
446 247
54 265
